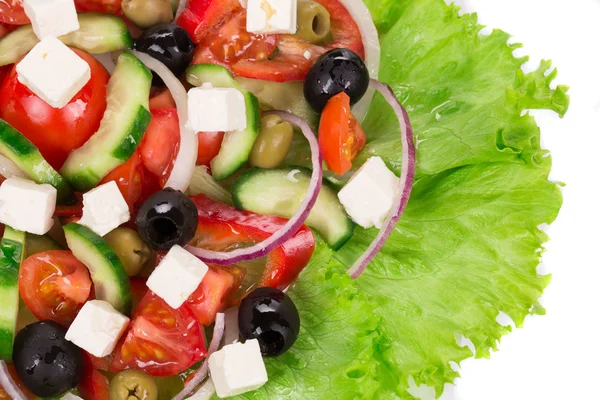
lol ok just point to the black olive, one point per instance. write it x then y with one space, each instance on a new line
166 219
338 70
270 316
169 44
46 362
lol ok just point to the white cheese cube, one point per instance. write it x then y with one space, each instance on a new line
97 328
51 18
177 276
272 16
27 206
104 209
216 109
70 396
369 195
237 368
53 72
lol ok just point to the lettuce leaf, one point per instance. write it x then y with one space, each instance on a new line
468 245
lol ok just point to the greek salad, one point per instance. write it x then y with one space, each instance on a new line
153 218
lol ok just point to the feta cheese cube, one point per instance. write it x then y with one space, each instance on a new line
97 328
272 16
51 18
27 206
104 209
177 276
53 72
70 396
369 195
237 368
216 109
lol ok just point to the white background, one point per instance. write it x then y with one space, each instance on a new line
556 356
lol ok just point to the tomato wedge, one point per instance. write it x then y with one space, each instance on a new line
209 146
101 6
161 142
54 285
215 293
11 12
202 16
221 227
340 135
135 182
93 385
161 341
56 131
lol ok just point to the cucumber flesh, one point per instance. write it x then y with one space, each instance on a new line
121 129
12 252
17 148
97 34
111 282
280 192
237 145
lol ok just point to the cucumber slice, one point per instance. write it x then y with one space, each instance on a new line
38 244
98 33
111 283
237 145
17 148
280 192
121 129
12 253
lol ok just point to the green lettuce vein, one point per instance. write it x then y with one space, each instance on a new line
469 243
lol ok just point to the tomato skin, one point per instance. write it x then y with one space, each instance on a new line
11 12
161 142
215 293
54 285
56 132
209 146
220 227
201 16
340 135
160 340
101 6
93 385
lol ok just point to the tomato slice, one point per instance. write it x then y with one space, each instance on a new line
340 135
209 146
161 341
163 99
215 293
54 285
221 227
293 57
11 12
93 385
202 16
56 131
161 142
135 182
101 6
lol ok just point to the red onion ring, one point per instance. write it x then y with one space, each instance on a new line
406 181
9 385
185 162
203 371
291 227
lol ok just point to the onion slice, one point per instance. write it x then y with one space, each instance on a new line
218 332
293 225
185 162
205 391
406 181
9 169
9 385
361 15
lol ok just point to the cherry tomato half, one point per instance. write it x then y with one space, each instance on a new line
340 135
56 131
54 285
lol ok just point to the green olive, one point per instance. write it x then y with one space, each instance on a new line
146 13
314 22
131 249
273 142
133 385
